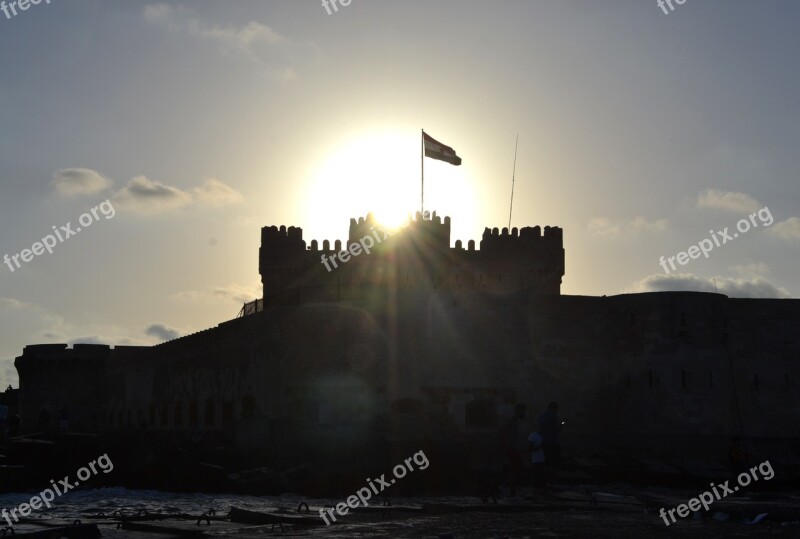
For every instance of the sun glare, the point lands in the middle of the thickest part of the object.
(380, 173)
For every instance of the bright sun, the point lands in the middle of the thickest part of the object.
(380, 173)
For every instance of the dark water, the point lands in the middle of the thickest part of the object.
(107, 500)
(607, 520)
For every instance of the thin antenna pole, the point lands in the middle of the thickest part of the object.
(513, 178)
(422, 171)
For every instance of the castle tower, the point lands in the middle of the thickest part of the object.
(419, 257)
(281, 257)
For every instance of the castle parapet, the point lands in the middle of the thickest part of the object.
(418, 256)
(528, 239)
(282, 253)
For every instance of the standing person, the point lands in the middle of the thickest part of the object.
(536, 449)
(509, 439)
(736, 456)
(549, 427)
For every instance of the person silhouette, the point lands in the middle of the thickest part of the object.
(549, 427)
(509, 439)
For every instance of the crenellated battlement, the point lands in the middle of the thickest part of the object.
(283, 238)
(363, 226)
(520, 240)
(419, 255)
(279, 246)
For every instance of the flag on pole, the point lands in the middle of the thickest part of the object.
(437, 150)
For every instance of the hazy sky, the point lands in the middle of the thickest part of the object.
(201, 121)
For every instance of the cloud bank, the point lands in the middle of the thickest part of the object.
(753, 287)
(70, 182)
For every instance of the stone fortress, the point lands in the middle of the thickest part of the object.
(420, 258)
(424, 345)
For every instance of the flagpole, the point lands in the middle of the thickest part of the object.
(513, 176)
(422, 171)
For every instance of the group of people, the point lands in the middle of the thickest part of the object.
(543, 447)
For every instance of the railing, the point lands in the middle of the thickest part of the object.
(251, 308)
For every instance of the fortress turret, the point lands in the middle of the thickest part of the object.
(281, 256)
(418, 256)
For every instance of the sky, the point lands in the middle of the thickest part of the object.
(174, 131)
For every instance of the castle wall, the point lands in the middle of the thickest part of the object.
(648, 375)
(52, 375)
(420, 344)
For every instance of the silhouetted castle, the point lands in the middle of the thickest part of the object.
(522, 261)
(420, 345)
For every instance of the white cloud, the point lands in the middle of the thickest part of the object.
(251, 40)
(727, 200)
(754, 287)
(8, 374)
(11, 303)
(162, 332)
(181, 19)
(788, 229)
(145, 196)
(79, 181)
(751, 269)
(101, 339)
(214, 193)
(234, 292)
(24, 323)
(605, 227)
(238, 293)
